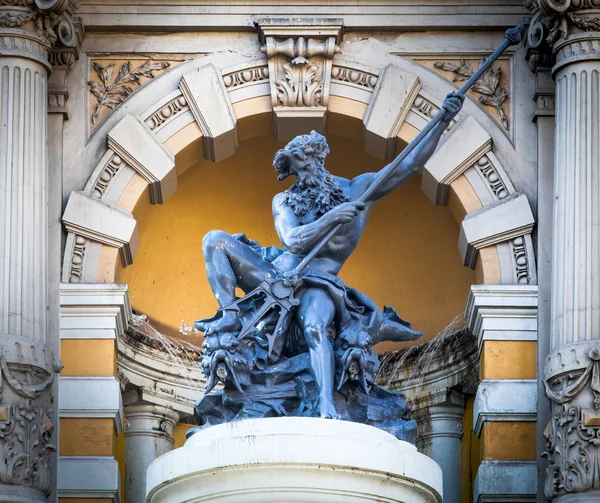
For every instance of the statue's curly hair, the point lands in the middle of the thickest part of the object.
(313, 144)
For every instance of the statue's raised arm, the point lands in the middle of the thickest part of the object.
(402, 169)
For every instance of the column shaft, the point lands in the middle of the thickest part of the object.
(576, 272)
(440, 438)
(148, 435)
(23, 199)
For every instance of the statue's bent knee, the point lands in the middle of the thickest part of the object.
(212, 239)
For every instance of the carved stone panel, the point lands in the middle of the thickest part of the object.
(492, 90)
(26, 402)
(113, 79)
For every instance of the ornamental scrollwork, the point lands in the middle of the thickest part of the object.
(110, 92)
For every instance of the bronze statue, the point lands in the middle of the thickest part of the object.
(326, 319)
(300, 341)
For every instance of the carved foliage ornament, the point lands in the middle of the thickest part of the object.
(492, 93)
(573, 435)
(111, 92)
(300, 69)
(25, 426)
(560, 16)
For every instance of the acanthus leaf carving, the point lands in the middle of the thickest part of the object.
(111, 93)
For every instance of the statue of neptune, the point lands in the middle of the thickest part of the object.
(316, 203)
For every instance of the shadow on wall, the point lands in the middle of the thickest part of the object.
(408, 257)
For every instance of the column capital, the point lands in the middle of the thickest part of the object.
(44, 30)
(555, 19)
(148, 419)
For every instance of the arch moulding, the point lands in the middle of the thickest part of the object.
(201, 112)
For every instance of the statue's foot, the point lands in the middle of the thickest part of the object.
(327, 410)
(230, 322)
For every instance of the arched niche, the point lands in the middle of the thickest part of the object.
(146, 153)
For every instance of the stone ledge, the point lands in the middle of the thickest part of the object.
(502, 312)
(89, 477)
(94, 311)
(91, 397)
(504, 400)
(506, 482)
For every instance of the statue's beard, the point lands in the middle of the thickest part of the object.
(315, 196)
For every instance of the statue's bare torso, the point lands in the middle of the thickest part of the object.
(338, 249)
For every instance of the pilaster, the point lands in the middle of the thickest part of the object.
(31, 32)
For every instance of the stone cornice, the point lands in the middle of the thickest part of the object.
(202, 15)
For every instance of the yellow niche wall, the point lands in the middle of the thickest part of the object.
(408, 257)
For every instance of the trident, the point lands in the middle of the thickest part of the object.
(277, 293)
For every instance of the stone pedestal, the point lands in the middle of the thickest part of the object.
(148, 435)
(297, 460)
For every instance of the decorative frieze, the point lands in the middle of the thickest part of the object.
(166, 113)
(354, 76)
(106, 176)
(300, 54)
(246, 76)
(485, 166)
(77, 259)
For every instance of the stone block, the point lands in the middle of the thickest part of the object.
(209, 102)
(134, 142)
(465, 144)
(504, 400)
(506, 219)
(91, 397)
(89, 477)
(92, 219)
(394, 93)
(506, 482)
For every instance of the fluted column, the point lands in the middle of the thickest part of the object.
(28, 29)
(572, 368)
(148, 435)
